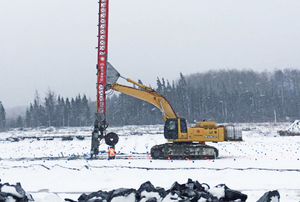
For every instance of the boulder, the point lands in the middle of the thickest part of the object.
(223, 193)
(121, 194)
(13, 193)
(270, 196)
(99, 196)
(148, 193)
(190, 191)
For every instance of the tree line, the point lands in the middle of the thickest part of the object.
(55, 111)
(225, 95)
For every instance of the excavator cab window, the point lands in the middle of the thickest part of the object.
(183, 127)
(171, 129)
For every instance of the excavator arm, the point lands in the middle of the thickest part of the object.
(149, 95)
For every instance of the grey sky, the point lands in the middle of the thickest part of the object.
(51, 43)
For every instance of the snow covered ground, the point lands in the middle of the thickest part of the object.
(264, 162)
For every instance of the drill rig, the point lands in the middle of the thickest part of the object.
(103, 76)
(183, 142)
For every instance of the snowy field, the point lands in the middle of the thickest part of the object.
(45, 163)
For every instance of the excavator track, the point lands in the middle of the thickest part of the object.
(184, 151)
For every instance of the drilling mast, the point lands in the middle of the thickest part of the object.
(100, 119)
(102, 55)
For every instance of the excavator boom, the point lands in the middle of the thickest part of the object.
(148, 95)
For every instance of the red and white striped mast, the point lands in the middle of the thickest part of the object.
(100, 119)
(102, 55)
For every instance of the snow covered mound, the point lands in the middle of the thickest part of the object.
(295, 127)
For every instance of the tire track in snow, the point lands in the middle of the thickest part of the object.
(88, 166)
(134, 155)
(201, 168)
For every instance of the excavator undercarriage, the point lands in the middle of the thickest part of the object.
(184, 151)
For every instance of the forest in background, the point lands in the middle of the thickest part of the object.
(228, 96)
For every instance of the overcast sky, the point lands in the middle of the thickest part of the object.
(51, 43)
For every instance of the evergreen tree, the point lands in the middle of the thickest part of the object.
(19, 122)
(50, 102)
(57, 113)
(62, 111)
(159, 88)
(73, 113)
(35, 110)
(68, 112)
(28, 119)
(183, 97)
(11, 123)
(86, 112)
(2, 118)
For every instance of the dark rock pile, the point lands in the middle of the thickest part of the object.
(270, 196)
(13, 193)
(192, 191)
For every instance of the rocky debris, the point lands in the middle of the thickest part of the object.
(100, 196)
(13, 193)
(227, 194)
(288, 133)
(292, 130)
(67, 138)
(45, 138)
(270, 196)
(79, 137)
(294, 127)
(192, 191)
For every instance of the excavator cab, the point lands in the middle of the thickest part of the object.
(174, 128)
(176, 131)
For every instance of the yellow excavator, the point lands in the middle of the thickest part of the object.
(183, 142)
